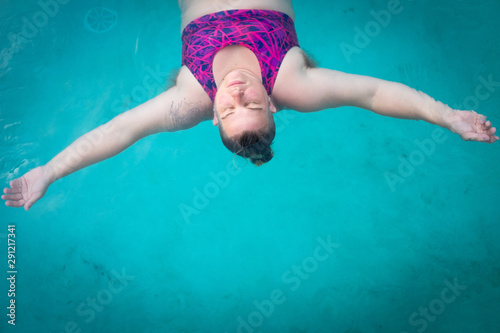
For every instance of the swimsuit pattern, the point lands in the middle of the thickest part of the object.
(268, 34)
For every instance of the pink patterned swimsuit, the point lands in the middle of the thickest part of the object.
(268, 34)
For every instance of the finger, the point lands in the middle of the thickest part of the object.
(487, 125)
(476, 137)
(16, 183)
(17, 196)
(493, 139)
(12, 190)
(482, 119)
(15, 203)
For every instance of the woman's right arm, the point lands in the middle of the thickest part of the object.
(181, 107)
(160, 114)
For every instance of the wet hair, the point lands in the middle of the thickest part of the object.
(255, 146)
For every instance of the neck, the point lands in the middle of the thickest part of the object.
(235, 58)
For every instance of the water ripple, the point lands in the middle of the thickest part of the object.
(13, 152)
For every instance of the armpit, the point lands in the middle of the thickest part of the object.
(310, 61)
(183, 115)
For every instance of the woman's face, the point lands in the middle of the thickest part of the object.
(242, 104)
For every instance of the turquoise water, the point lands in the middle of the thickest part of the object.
(353, 227)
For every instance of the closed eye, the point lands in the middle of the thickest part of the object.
(227, 113)
(253, 106)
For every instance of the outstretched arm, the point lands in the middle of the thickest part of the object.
(314, 89)
(181, 107)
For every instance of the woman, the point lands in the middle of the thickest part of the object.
(241, 64)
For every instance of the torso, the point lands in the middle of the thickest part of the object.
(292, 64)
(193, 9)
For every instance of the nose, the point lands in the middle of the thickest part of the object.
(237, 93)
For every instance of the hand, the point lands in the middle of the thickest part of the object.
(471, 126)
(28, 189)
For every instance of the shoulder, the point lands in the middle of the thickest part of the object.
(292, 76)
(295, 60)
(189, 104)
(188, 84)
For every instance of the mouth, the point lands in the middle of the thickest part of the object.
(235, 83)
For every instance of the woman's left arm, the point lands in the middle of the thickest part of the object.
(313, 89)
(400, 101)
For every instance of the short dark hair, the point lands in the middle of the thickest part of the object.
(256, 146)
